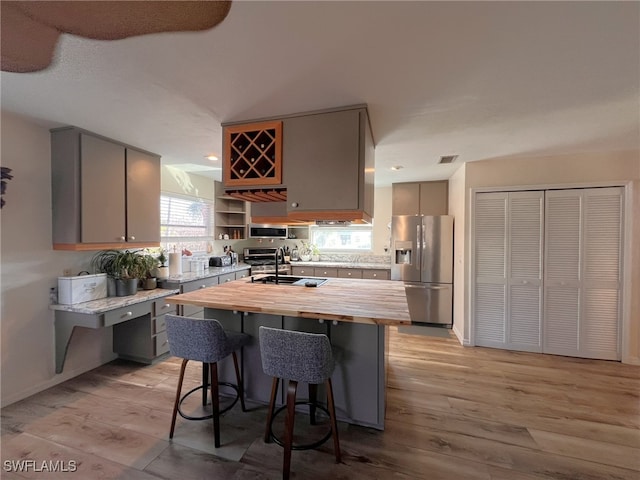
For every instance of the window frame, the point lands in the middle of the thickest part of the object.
(186, 241)
(316, 228)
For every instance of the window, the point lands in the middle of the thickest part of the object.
(185, 222)
(354, 238)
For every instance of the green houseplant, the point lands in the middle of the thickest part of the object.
(124, 268)
(148, 279)
(162, 270)
(104, 262)
(130, 267)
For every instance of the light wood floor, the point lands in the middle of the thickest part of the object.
(453, 413)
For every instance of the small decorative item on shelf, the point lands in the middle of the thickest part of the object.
(315, 253)
(308, 251)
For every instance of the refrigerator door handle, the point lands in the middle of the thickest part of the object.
(418, 248)
(423, 245)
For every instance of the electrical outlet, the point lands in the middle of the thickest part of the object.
(66, 272)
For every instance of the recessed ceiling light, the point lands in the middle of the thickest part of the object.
(212, 157)
(395, 168)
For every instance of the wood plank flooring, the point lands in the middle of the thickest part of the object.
(453, 413)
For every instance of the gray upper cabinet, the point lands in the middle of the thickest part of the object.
(420, 198)
(143, 196)
(105, 194)
(328, 165)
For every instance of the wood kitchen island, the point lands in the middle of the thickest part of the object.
(354, 313)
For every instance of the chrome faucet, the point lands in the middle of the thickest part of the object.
(279, 251)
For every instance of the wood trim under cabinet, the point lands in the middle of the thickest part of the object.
(357, 216)
(87, 247)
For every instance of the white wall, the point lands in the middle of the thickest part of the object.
(174, 180)
(457, 209)
(574, 170)
(381, 220)
(30, 267)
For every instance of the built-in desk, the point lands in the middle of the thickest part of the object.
(142, 338)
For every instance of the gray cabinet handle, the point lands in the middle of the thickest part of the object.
(123, 238)
(294, 204)
(132, 237)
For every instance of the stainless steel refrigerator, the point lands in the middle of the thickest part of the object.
(422, 257)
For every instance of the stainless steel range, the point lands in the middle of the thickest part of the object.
(263, 260)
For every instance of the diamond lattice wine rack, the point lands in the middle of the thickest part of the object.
(253, 154)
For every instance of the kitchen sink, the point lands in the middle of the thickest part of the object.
(291, 280)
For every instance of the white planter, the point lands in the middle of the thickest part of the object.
(315, 258)
(162, 273)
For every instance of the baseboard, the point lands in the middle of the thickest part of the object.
(417, 329)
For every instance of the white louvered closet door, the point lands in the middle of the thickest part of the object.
(583, 272)
(508, 270)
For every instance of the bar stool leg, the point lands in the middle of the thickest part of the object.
(272, 406)
(215, 403)
(288, 434)
(178, 392)
(239, 382)
(205, 381)
(334, 423)
(313, 396)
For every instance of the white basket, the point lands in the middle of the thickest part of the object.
(83, 288)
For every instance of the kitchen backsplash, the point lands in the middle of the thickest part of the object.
(355, 258)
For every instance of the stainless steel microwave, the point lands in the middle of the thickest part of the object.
(268, 231)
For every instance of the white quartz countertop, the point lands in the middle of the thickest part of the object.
(111, 303)
(381, 266)
(208, 272)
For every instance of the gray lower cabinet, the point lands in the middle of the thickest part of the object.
(192, 310)
(104, 193)
(144, 338)
(332, 272)
(257, 384)
(195, 311)
(227, 277)
(349, 273)
(329, 272)
(376, 273)
(358, 379)
(302, 271)
(243, 274)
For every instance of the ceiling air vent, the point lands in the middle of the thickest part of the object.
(448, 159)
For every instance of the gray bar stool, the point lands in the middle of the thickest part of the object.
(298, 357)
(207, 342)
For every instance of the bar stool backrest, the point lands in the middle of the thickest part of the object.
(197, 339)
(299, 356)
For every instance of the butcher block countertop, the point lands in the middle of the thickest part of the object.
(381, 302)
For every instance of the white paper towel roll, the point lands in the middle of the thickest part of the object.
(175, 264)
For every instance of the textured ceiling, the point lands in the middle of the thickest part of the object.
(478, 80)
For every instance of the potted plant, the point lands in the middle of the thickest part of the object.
(315, 253)
(162, 270)
(148, 279)
(130, 267)
(104, 262)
